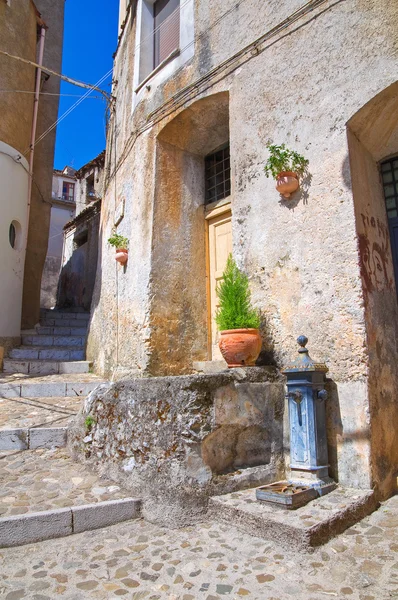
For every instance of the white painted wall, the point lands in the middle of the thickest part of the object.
(13, 207)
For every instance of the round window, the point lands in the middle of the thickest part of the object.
(14, 235)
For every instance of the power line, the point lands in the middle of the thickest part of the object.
(48, 94)
(71, 109)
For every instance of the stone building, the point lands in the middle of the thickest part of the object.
(32, 31)
(200, 84)
(62, 211)
(80, 247)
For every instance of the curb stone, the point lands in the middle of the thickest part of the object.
(31, 439)
(24, 529)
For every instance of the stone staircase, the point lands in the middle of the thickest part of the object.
(43, 493)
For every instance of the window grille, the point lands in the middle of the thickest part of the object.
(389, 173)
(166, 29)
(218, 175)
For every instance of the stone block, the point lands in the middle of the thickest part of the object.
(43, 368)
(43, 390)
(83, 316)
(52, 354)
(10, 390)
(55, 437)
(103, 514)
(61, 330)
(34, 527)
(15, 366)
(24, 353)
(14, 439)
(45, 330)
(82, 366)
(77, 355)
(81, 331)
(68, 340)
(80, 389)
(37, 340)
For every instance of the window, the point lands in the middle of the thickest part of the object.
(159, 34)
(166, 21)
(218, 175)
(12, 235)
(68, 191)
(389, 173)
(90, 189)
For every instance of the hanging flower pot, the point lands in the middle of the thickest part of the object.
(122, 255)
(286, 183)
(286, 166)
(121, 244)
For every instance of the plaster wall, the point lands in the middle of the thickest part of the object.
(85, 194)
(301, 255)
(13, 200)
(59, 217)
(40, 212)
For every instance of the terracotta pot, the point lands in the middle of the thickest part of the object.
(240, 347)
(122, 255)
(286, 183)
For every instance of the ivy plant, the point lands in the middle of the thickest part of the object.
(235, 310)
(118, 241)
(282, 159)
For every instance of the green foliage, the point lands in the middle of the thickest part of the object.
(89, 422)
(283, 159)
(118, 241)
(236, 311)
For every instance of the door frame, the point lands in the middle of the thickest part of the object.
(215, 209)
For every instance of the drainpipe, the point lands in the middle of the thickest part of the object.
(34, 125)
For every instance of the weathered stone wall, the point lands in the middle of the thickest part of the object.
(299, 85)
(175, 441)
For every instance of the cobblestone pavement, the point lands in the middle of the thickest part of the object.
(34, 412)
(37, 480)
(138, 560)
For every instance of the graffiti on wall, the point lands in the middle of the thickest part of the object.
(375, 255)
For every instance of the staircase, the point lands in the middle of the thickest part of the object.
(43, 493)
(56, 346)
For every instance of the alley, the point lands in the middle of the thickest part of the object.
(138, 560)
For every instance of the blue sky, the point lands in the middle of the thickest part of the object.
(90, 38)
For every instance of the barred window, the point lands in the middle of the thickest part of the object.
(218, 175)
(389, 173)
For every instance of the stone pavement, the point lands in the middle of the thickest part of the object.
(208, 561)
(39, 480)
(37, 412)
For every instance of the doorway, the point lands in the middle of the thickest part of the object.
(219, 247)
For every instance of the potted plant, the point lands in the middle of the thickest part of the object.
(121, 244)
(285, 166)
(237, 320)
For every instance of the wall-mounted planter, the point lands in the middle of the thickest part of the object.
(286, 183)
(240, 347)
(122, 255)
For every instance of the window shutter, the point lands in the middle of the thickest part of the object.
(167, 29)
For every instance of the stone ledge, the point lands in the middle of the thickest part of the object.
(35, 527)
(302, 529)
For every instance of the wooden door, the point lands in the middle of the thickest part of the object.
(219, 248)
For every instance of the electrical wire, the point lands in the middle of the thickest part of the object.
(48, 94)
(67, 113)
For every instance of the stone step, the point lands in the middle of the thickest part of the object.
(48, 386)
(63, 323)
(301, 529)
(45, 367)
(80, 331)
(71, 309)
(48, 353)
(53, 340)
(57, 314)
(46, 495)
